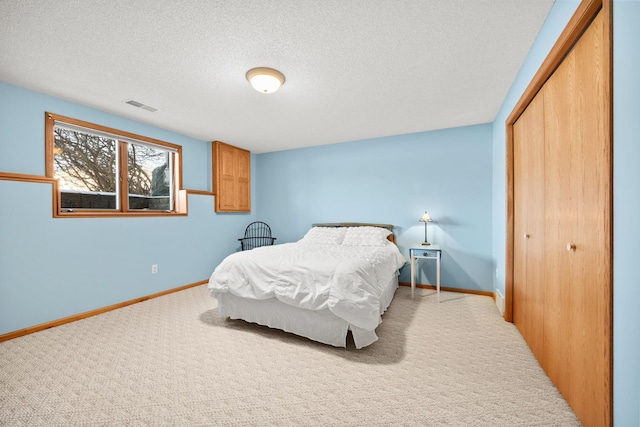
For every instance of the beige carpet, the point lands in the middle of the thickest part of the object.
(172, 361)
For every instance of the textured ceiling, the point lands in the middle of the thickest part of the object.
(355, 69)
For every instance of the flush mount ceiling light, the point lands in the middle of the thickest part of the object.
(265, 80)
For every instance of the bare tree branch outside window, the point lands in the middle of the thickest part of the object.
(87, 162)
(84, 161)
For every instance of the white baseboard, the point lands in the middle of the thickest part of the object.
(500, 302)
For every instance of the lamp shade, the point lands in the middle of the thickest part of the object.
(425, 217)
(265, 80)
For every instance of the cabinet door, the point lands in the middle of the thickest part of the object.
(226, 194)
(529, 280)
(232, 178)
(243, 180)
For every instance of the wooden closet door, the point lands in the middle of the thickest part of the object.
(529, 218)
(577, 326)
(559, 218)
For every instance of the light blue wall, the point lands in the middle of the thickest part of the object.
(626, 316)
(392, 180)
(22, 134)
(54, 268)
(626, 205)
(554, 24)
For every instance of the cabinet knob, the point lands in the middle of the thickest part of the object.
(527, 235)
(571, 247)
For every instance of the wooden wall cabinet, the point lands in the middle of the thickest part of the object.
(231, 177)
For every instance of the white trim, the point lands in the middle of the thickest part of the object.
(499, 301)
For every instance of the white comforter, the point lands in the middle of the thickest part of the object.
(348, 280)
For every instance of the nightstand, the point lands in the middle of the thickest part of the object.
(417, 252)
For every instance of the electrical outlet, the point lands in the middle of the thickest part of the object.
(154, 268)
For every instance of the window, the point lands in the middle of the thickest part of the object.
(102, 171)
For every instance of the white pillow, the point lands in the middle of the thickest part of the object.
(366, 236)
(325, 235)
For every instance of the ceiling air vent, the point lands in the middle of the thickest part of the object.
(141, 105)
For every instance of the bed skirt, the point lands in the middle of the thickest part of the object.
(319, 325)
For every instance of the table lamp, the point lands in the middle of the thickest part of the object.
(425, 218)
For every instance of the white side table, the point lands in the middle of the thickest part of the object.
(419, 251)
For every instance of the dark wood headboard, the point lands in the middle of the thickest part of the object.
(389, 227)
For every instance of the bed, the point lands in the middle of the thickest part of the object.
(339, 277)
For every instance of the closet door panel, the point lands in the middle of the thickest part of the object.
(529, 281)
(590, 189)
(559, 219)
(577, 318)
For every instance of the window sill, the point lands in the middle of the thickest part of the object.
(105, 214)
